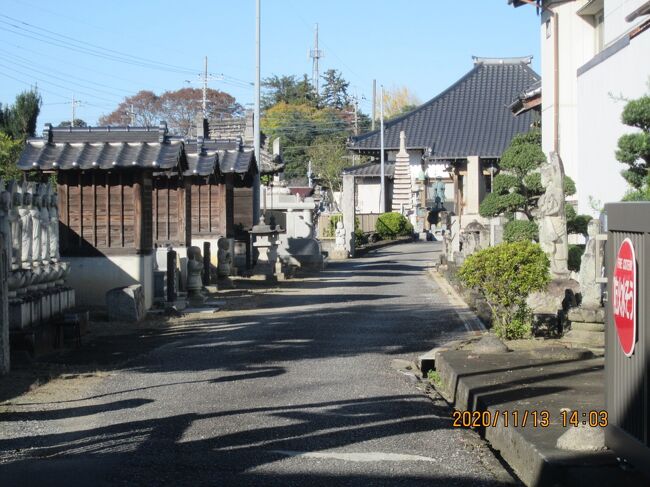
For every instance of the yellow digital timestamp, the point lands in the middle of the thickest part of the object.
(521, 419)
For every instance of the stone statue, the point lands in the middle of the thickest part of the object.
(44, 197)
(439, 193)
(224, 257)
(591, 268)
(35, 215)
(340, 234)
(551, 219)
(54, 227)
(194, 271)
(5, 225)
(27, 227)
(16, 225)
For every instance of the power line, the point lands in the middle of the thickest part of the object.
(53, 83)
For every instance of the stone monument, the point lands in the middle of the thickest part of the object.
(551, 219)
(549, 306)
(587, 322)
(591, 268)
(339, 251)
(194, 271)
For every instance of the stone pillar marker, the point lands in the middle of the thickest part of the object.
(402, 201)
(348, 208)
(475, 186)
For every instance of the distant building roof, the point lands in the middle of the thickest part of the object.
(231, 155)
(370, 169)
(241, 129)
(470, 118)
(102, 148)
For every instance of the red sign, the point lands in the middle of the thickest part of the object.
(625, 293)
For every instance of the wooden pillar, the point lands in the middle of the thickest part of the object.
(137, 212)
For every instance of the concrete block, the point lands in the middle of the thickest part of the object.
(126, 303)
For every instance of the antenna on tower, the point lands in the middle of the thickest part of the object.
(315, 54)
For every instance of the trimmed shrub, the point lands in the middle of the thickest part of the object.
(575, 257)
(520, 230)
(391, 225)
(505, 275)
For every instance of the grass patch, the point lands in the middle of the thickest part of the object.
(434, 377)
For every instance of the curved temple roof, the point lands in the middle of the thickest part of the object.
(470, 118)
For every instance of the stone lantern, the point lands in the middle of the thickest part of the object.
(268, 265)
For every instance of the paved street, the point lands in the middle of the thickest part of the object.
(302, 391)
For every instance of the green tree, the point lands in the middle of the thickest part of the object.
(298, 127)
(9, 153)
(287, 89)
(634, 149)
(335, 90)
(77, 123)
(19, 120)
(517, 188)
(329, 157)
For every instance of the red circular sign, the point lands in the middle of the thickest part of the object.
(625, 293)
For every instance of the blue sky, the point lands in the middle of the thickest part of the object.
(425, 45)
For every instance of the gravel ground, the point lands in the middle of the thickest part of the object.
(307, 385)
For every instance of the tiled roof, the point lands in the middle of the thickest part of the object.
(528, 99)
(370, 169)
(231, 156)
(470, 118)
(236, 161)
(102, 148)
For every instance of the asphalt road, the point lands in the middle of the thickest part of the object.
(302, 391)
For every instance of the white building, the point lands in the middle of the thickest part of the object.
(594, 56)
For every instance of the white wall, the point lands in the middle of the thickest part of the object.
(576, 47)
(626, 74)
(615, 13)
(92, 277)
(367, 197)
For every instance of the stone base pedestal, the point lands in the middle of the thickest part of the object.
(587, 328)
(559, 296)
(338, 254)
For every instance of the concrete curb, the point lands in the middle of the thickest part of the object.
(462, 309)
(498, 383)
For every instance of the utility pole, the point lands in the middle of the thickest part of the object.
(132, 116)
(374, 103)
(205, 88)
(74, 110)
(382, 189)
(315, 55)
(356, 113)
(256, 117)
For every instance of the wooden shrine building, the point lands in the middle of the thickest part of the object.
(107, 178)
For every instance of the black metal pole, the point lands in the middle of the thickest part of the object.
(171, 275)
(206, 264)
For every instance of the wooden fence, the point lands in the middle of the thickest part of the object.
(366, 221)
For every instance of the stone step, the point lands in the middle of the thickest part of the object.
(586, 338)
(579, 325)
(587, 315)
